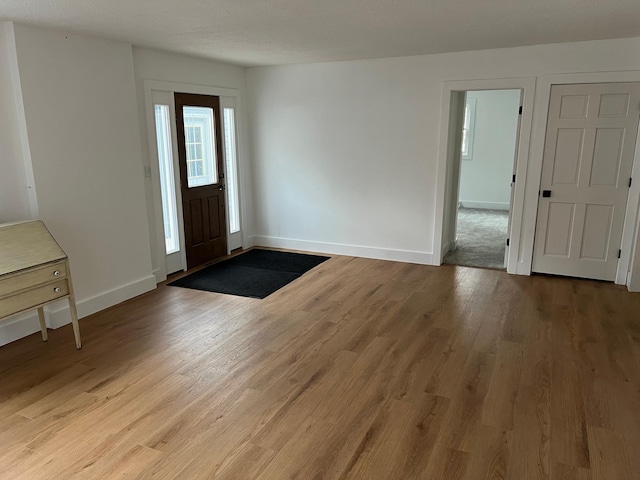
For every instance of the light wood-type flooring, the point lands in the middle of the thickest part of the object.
(360, 369)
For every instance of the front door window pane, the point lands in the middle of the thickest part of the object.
(199, 139)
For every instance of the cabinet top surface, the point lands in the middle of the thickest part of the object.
(26, 245)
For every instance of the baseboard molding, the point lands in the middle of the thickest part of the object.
(250, 242)
(19, 326)
(485, 205)
(633, 284)
(158, 276)
(408, 256)
(57, 314)
(449, 247)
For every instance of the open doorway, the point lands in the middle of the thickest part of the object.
(481, 203)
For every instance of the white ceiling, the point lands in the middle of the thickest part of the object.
(269, 32)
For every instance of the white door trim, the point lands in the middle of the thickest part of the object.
(538, 133)
(527, 85)
(243, 173)
(631, 227)
(529, 169)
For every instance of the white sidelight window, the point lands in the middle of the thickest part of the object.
(230, 146)
(167, 184)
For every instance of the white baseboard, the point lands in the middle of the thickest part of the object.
(633, 284)
(449, 247)
(57, 314)
(18, 327)
(485, 205)
(408, 256)
(158, 276)
(250, 242)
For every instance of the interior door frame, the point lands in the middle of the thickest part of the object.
(450, 90)
(537, 93)
(629, 243)
(159, 267)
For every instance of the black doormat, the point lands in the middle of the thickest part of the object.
(256, 273)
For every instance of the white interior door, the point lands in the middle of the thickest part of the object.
(588, 155)
(513, 181)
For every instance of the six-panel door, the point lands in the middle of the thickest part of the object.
(588, 155)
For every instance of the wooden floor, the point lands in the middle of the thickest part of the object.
(360, 369)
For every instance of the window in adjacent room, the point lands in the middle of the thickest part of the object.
(468, 128)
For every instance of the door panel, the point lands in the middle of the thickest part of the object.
(558, 239)
(596, 233)
(569, 149)
(215, 229)
(196, 215)
(605, 169)
(614, 105)
(574, 106)
(587, 163)
(201, 177)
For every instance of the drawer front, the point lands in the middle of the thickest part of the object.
(31, 298)
(16, 283)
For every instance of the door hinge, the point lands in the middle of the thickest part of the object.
(619, 253)
(520, 110)
(508, 242)
(513, 179)
(630, 182)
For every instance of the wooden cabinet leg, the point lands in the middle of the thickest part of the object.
(43, 325)
(74, 321)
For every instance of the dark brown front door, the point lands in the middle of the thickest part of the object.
(201, 177)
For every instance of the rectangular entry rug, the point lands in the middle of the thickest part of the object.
(256, 273)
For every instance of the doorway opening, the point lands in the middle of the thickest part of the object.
(482, 177)
(195, 178)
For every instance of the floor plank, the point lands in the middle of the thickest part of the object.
(358, 369)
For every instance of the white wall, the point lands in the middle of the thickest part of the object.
(14, 200)
(168, 67)
(345, 154)
(485, 178)
(81, 119)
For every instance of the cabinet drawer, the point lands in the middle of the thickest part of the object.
(15, 283)
(31, 298)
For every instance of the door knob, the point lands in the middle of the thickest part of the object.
(546, 193)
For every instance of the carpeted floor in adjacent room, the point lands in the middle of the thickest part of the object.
(481, 237)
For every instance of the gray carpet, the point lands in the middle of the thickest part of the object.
(481, 238)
